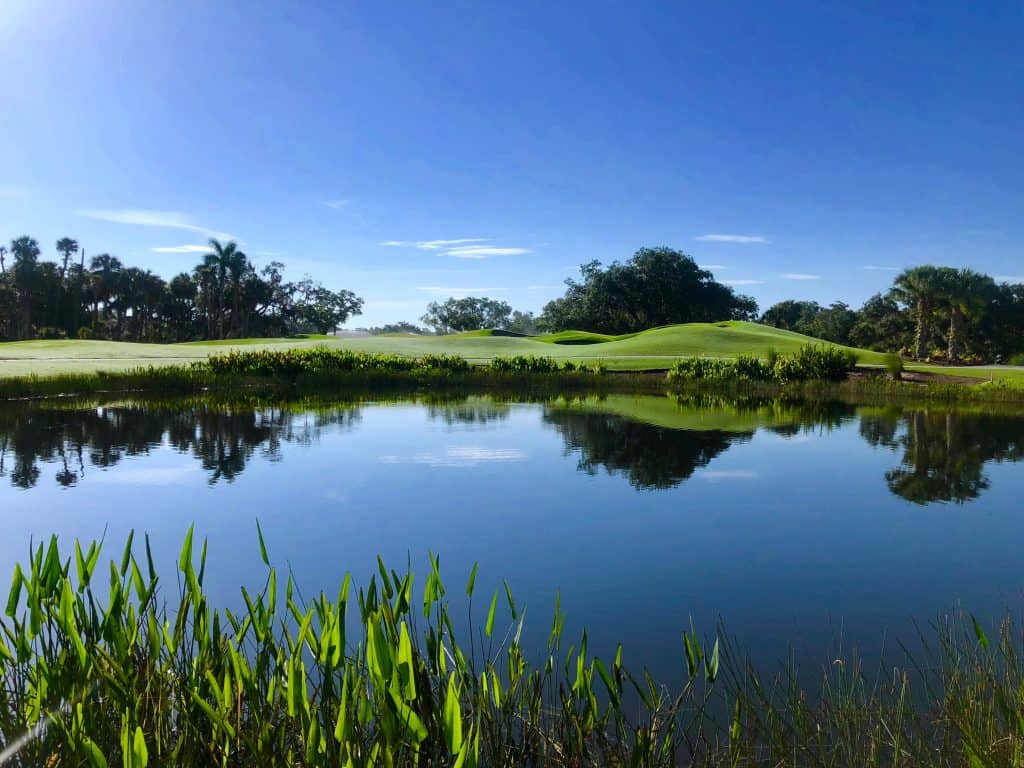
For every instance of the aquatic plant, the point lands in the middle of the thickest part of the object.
(812, 362)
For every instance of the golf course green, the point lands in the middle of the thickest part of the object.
(650, 350)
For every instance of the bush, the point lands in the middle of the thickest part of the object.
(810, 363)
(1017, 359)
(452, 363)
(86, 333)
(894, 366)
(524, 364)
(48, 332)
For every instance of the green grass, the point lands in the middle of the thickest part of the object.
(653, 349)
(100, 667)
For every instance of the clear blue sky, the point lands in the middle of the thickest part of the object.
(818, 146)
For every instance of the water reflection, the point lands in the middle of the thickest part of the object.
(650, 457)
(654, 443)
(944, 452)
(223, 440)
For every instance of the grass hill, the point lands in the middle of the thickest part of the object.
(652, 349)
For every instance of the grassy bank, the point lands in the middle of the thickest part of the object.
(655, 348)
(811, 373)
(316, 368)
(98, 669)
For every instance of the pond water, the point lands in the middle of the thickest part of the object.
(797, 526)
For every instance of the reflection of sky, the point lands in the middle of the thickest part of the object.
(784, 539)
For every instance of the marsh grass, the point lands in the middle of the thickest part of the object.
(100, 667)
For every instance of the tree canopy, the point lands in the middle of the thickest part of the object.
(467, 314)
(657, 286)
(223, 296)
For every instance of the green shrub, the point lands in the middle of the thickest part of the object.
(452, 363)
(810, 363)
(49, 332)
(1017, 359)
(894, 366)
(524, 364)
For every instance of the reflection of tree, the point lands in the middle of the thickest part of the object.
(222, 439)
(473, 410)
(944, 452)
(651, 457)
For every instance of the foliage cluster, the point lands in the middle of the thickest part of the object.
(657, 286)
(324, 361)
(540, 364)
(811, 362)
(929, 312)
(224, 296)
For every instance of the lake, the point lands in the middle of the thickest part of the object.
(798, 526)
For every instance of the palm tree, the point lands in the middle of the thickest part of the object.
(66, 247)
(226, 259)
(920, 288)
(967, 293)
(26, 259)
(106, 271)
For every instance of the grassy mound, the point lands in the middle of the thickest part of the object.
(655, 348)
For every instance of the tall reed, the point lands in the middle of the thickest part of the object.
(97, 668)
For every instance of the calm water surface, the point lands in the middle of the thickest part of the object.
(794, 525)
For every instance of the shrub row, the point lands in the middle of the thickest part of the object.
(537, 364)
(810, 363)
(324, 361)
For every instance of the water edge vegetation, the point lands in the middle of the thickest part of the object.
(104, 671)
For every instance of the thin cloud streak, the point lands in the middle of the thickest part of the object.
(743, 282)
(336, 204)
(183, 249)
(161, 219)
(483, 252)
(876, 268)
(1013, 279)
(798, 276)
(745, 239)
(433, 245)
(712, 266)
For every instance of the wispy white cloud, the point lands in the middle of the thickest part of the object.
(337, 203)
(182, 249)
(733, 239)
(876, 268)
(268, 253)
(434, 245)
(1010, 279)
(743, 282)
(160, 219)
(541, 287)
(483, 252)
(799, 276)
(712, 266)
(460, 247)
(449, 291)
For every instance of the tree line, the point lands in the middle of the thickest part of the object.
(657, 286)
(929, 312)
(223, 297)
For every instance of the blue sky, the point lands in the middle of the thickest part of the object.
(411, 151)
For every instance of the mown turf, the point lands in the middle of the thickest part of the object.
(653, 349)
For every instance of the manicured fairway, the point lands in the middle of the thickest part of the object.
(653, 349)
